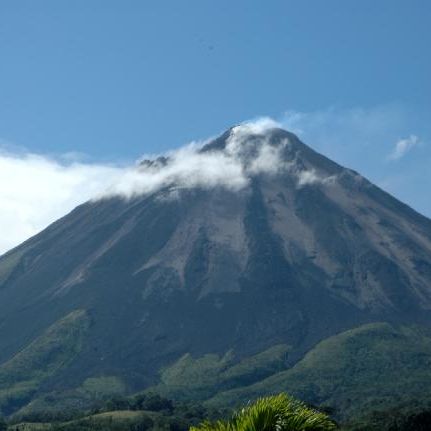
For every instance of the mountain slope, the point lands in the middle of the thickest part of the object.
(22, 375)
(373, 367)
(295, 250)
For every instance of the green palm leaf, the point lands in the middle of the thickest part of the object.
(275, 413)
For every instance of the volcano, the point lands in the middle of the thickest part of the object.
(295, 250)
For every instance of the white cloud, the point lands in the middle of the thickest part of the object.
(256, 126)
(309, 177)
(37, 190)
(190, 167)
(403, 146)
(185, 168)
(268, 160)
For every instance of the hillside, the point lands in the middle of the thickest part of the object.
(373, 367)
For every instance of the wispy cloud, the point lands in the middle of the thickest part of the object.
(345, 135)
(403, 146)
(362, 139)
(310, 177)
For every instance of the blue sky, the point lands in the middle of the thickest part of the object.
(112, 80)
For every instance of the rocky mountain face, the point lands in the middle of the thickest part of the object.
(295, 251)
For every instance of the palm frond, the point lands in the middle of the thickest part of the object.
(274, 413)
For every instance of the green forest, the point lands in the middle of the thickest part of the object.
(148, 412)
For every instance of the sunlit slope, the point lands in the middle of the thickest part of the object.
(23, 375)
(363, 369)
(203, 377)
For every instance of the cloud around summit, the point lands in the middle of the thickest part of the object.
(190, 167)
(35, 190)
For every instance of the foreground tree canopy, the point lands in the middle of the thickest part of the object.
(275, 413)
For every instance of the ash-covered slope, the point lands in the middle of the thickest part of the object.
(294, 249)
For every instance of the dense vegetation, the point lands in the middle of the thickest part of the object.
(148, 412)
(22, 375)
(138, 413)
(350, 374)
(152, 412)
(373, 367)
